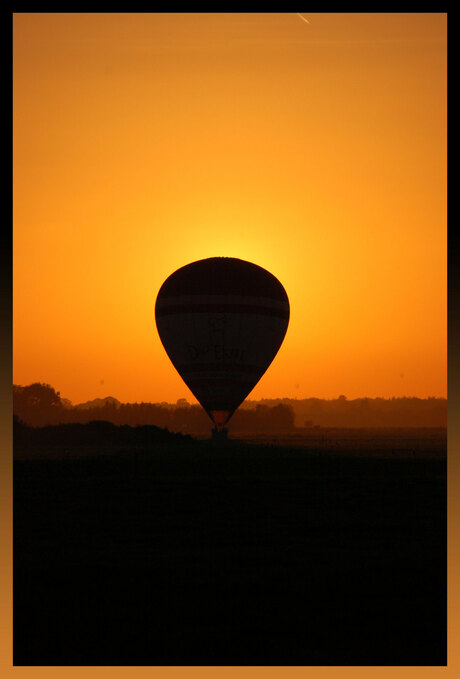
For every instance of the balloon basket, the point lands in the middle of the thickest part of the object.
(220, 435)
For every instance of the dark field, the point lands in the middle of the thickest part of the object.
(233, 555)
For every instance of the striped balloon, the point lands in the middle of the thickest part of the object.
(221, 321)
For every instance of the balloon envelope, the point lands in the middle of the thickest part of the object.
(221, 321)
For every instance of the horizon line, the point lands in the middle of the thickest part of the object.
(341, 397)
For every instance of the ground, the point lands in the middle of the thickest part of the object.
(232, 555)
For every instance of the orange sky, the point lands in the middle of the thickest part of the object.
(143, 142)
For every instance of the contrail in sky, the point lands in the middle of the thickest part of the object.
(302, 17)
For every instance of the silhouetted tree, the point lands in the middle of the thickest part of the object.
(37, 403)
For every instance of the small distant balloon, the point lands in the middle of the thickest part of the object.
(221, 321)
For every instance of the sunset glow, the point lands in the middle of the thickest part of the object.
(144, 142)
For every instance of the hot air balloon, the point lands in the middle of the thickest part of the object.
(221, 321)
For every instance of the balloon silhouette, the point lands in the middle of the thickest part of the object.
(221, 321)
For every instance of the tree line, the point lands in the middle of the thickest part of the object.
(40, 404)
(367, 412)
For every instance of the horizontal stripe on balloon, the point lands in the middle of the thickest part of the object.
(208, 381)
(217, 381)
(257, 300)
(220, 367)
(222, 309)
